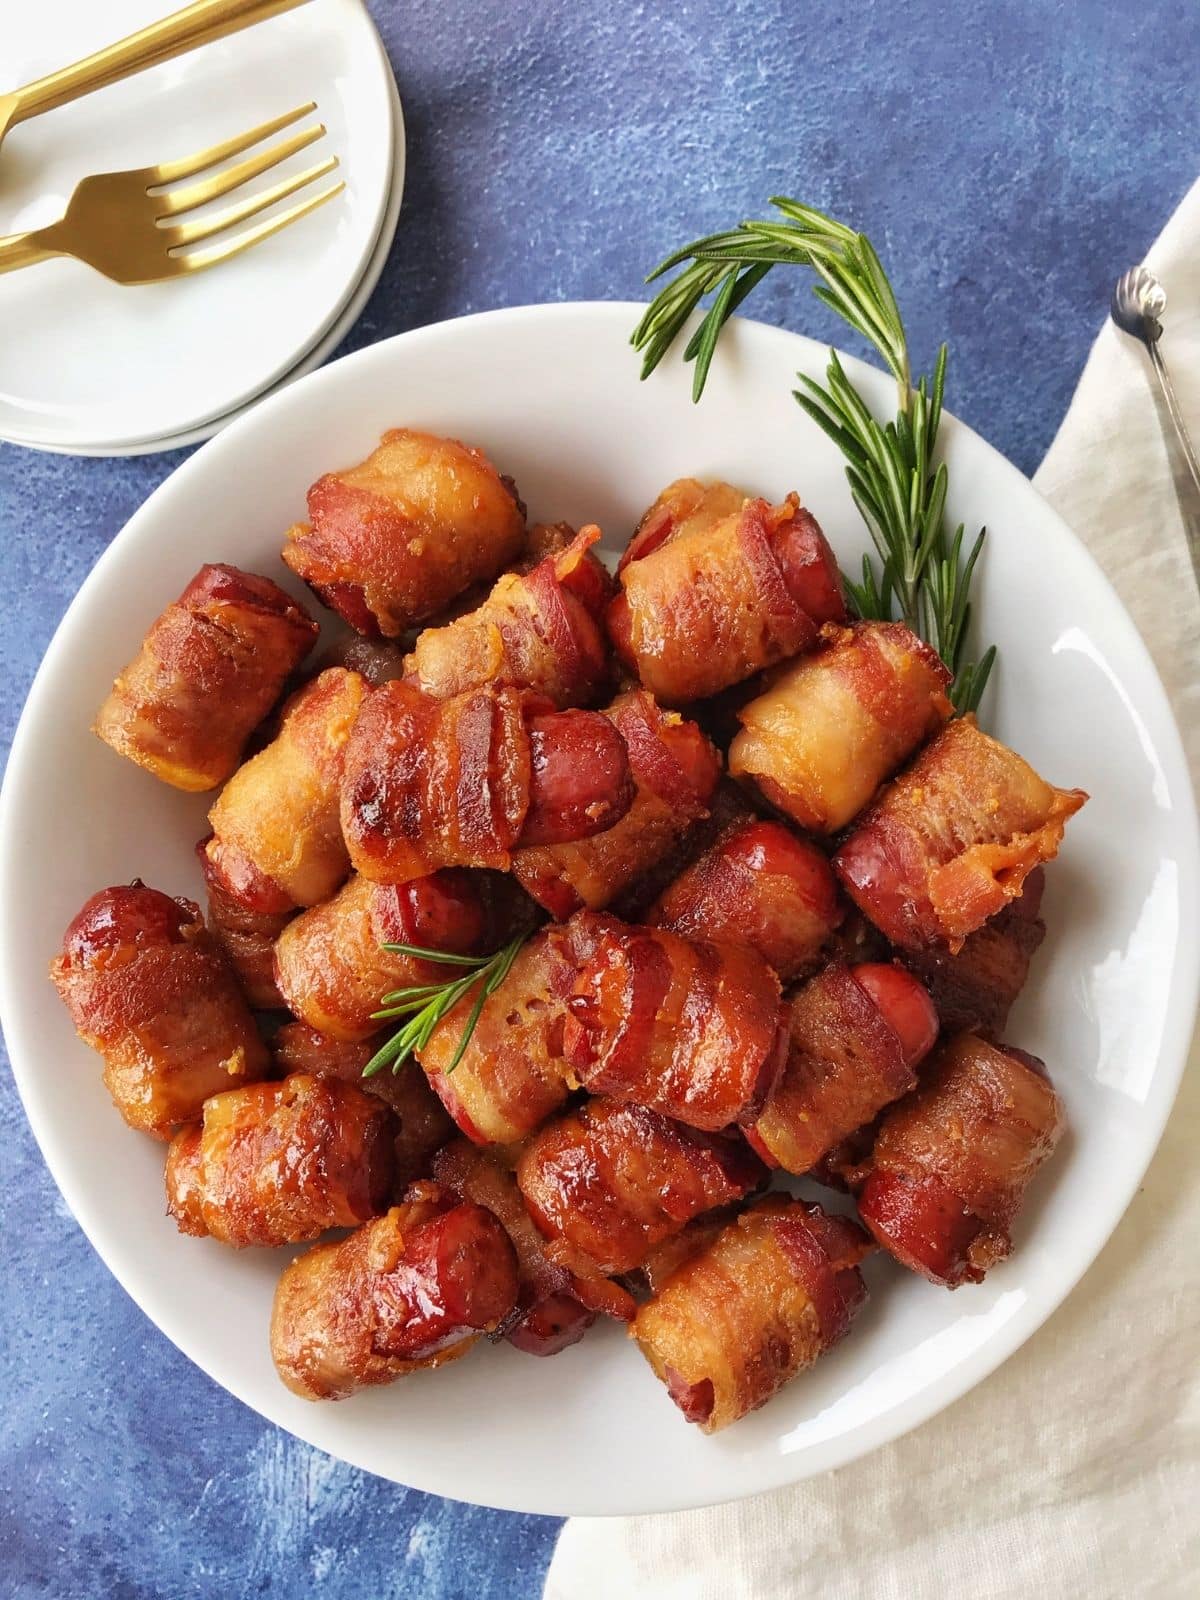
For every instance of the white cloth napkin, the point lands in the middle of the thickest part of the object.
(1075, 1469)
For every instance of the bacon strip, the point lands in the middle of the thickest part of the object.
(847, 1057)
(278, 1163)
(614, 1181)
(691, 1029)
(758, 885)
(557, 1302)
(208, 671)
(705, 607)
(462, 782)
(411, 1289)
(831, 727)
(421, 1126)
(674, 770)
(393, 540)
(329, 964)
(246, 936)
(538, 630)
(976, 988)
(952, 840)
(952, 1161)
(276, 822)
(147, 986)
(740, 1318)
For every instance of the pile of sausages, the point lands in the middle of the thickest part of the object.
(776, 903)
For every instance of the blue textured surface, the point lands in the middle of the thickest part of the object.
(1009, 159)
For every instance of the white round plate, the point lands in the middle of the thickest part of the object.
(551, 393)
(324, 347)
(91, 362)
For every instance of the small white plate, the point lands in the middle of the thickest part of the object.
(551, 393)
(324, 346)
(86, 361)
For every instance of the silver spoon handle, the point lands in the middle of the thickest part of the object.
(1185, 444)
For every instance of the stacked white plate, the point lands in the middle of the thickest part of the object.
(90, 368)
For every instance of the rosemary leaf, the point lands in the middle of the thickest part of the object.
(427, 1004)
(895, 482)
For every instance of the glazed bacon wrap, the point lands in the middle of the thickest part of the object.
(555, 1304)
(209, 670)
(412, 1289)
(613, 1181)
(776, 1289)
(465, 782)
(393, 540)
(329, 964)
(952, 840)
(148, 987)
(855, 1035)
(420, 1124)
(831, 727)
(277, 836)
(758, 885)
(278, 1163)
(692, 1029)
(976, 989)
(708, 603)
(675, 770)
(247, 937)
(951, 1163)
(512, 1075)
(538, 630)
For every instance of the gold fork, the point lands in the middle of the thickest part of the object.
(122, 223)
(197, 24)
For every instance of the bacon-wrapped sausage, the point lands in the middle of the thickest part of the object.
(466, 781)
(538, 630)
(330, 966)
(247, 938)
(278, 1163)
(855, 1034)
(757, 885)
(951, 1163)
(147, 986)
(209, 670)
(675, 771)
(775, 1290)
(277, 836)
(952, 840)
(709, 606)
(391, 541)
(613, 1181)
(512, 1075)
(684, 507)
(411, 1289)
(691, 1029)
(832, 726)
(421, 1125)
(557, 1302)
(976, 988)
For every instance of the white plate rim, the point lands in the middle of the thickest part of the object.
(346, 317)
(969, 1370)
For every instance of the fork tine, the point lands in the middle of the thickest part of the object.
(221, 183)
(204, 227)
(197, 260)
(189, 166)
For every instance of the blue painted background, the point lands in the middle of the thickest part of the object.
(1008, 157)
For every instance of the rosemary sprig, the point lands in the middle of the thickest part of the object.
(922, 575)
(426, 1004)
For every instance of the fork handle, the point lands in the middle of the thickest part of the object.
(26, 249)
(197, 24)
